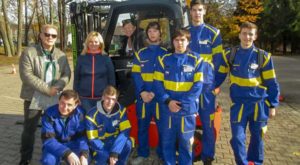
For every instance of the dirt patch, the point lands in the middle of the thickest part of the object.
(4, 60)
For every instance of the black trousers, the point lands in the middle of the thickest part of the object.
(31, 121)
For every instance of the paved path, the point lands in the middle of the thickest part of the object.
(282, 145)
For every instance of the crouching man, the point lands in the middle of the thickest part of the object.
(63, 132)
(108, 130)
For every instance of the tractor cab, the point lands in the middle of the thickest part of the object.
(106, 17)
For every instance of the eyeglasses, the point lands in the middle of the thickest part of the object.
(52, 35)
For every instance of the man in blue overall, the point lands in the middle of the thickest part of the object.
(178, 81)
(63, 132)
(107, 129)
(254, 92)
(206, 40)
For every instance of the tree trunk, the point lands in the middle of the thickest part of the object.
(4, 37)
(20, 24)
(7, 28)
(51, 11)
(43, 14)
(38, 16)
(62, 22)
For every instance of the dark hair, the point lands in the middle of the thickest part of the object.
(197, 2)
(248, 25)
(154, 25)
(127, 21)
(181, 32)
(69, 94)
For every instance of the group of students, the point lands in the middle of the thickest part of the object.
(171, 87)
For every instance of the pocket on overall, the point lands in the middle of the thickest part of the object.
(261, 112)
(236, 112)
(188, 123)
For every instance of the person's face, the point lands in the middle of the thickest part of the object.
(153, 34)
(48, 37)
(94, 44)
(66, 106)
(180, 44)
(109, 102)
(197, 13)
(129, 29)
(247, 37)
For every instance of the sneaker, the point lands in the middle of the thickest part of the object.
(138, 160)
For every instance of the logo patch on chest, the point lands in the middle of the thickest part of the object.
(115, 122)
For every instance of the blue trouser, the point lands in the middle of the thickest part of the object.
(88, 103)
(102, 156)
(50, 159)
(178, 130)
(207, 115)
(145, 112)
(256, 114)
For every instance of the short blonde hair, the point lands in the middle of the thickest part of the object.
(110, 91)
(48, 26)
(89, 37)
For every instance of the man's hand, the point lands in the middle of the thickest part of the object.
(83, 160)
(174, 106)
(73, 159)
(113, 160)
(272, 112)
(147, 96)
(53, 91)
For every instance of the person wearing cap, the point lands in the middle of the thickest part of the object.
(44, 70)
(134, 38)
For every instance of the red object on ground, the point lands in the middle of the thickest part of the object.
(153, 133)
(251, 163)
(281, 98)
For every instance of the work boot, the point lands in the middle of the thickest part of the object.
(24, 162)
(208, 161)
(138, 160)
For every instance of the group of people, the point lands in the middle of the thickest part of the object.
(170, 87)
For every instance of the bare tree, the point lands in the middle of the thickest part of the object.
(4, 37)
(50, 11)
(6, 32)
(20, 26)
(62, 22)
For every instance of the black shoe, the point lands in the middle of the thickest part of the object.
(24, 162)
(208, 161)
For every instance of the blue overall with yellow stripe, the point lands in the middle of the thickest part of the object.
(253, 91)
(206, 40)
(108, 134)
(142, 73)
(178, 77)
(62, 136)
